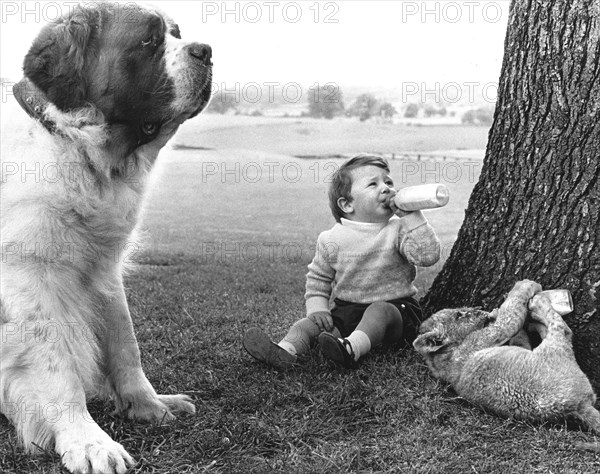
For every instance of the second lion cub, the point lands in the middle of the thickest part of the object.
(464, 347)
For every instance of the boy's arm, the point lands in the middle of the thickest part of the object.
(319, 279)
(417, 240)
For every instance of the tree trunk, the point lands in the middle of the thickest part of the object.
(535, 212)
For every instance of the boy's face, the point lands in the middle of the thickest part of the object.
(370, 193)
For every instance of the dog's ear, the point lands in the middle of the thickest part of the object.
(55, 62)
(431, 341)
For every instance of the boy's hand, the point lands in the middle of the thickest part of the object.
(322, 319)
(399, 212)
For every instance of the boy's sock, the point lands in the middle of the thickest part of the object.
(288, 346)
(360, 343)
(300, 337)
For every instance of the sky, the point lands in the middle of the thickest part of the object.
(425, 45)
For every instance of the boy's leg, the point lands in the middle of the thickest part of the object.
(381, 322)
(301, 336)
(283, 355)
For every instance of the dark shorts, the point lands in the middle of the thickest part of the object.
(347, 315)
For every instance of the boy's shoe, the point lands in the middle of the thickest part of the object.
(338, 350)
(259, 346)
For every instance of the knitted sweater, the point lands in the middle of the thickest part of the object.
(364, 262)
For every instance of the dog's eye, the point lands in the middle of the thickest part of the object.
(149, 41)
(149, 128)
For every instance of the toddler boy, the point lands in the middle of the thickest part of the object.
(366, 262)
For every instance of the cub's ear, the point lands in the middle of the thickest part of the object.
(492, 315)
(55, 62)
(429, 342)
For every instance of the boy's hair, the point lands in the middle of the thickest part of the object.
(341, 184)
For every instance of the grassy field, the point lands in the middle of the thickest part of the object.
(294, 136)
(226, 249)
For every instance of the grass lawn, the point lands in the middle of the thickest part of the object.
(225, 254)
(304, 136)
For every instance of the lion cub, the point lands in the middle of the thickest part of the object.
(464, 347)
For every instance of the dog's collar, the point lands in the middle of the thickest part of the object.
(33, 101)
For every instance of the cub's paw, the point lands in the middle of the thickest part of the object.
(542, 312)
(540, 308)
(527, 287)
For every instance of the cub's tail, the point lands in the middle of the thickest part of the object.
(590, 417)
(595, 446)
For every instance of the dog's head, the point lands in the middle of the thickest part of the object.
(126, 61)
(449, 327)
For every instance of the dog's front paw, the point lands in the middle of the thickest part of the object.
(142, 403)
(91, 451)
(159, 408)
(178, 403)
(136, 398)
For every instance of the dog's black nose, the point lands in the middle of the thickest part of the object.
(200, 51)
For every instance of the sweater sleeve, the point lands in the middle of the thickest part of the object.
(417, 240)
(319, 278)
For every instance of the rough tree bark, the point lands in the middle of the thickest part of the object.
(535, 212)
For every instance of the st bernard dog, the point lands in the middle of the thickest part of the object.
(105, 87)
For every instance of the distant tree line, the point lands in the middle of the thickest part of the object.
(480, 116)
(327, 102)
(413, 110)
